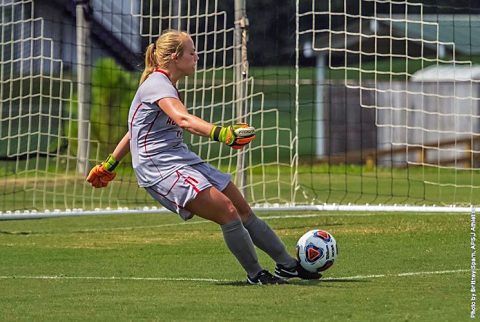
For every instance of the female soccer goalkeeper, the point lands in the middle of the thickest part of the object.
(176, 177)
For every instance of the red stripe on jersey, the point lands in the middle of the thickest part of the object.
(133, 117)
(165, 196)
(194, 185)
(179, 174)
(164, 72)
(148, 132)
(145, 144)
(191, 181)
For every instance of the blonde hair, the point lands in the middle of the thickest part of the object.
(159, 53)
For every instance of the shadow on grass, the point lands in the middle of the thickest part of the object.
(298, 282)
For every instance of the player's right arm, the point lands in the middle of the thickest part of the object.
(235, 136)
(103, 173)
(122, 147)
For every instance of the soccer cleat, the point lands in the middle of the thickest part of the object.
(297, 271)
(265, 278)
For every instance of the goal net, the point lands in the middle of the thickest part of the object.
(359, 105)
(41, 111)
(396, 102)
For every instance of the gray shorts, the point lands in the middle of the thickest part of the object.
(176, 190)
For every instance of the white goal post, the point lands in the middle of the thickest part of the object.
(42, 108)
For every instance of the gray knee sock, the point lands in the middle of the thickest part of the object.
(265, 238)
(240, 244)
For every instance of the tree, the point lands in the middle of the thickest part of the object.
(113, 89)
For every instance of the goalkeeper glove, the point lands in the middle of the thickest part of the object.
(102, 173)
(235, 136)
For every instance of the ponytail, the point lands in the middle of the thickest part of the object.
(158, 53)
(149, 62)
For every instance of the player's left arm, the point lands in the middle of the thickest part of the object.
(235, 136)
(175, 109)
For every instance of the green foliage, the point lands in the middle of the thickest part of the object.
(112, 91)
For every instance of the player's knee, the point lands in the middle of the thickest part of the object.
(231, 212)
(244, 213)
(243, 209)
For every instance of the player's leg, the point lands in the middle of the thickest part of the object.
(212, 205)
(262, 235)
(266, 239)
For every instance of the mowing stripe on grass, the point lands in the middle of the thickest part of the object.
(192, 223)
(212, 280)
(262, 217)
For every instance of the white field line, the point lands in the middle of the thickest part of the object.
(359, 277)
(113, 278)
(212, 280)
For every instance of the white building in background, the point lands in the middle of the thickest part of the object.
(435, 116)
(46, 29)
(421, 114)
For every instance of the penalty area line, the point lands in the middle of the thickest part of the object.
(358, 277)
(114, 278)
(212, 280)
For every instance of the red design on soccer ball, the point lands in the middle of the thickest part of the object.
(323, 235)
(313, 253)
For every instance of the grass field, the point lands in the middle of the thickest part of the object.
(392, 267)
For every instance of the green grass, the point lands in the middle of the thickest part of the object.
(82, 254)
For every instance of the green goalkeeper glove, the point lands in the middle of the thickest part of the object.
(235, 136)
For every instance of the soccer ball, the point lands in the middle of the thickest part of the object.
(317, 250)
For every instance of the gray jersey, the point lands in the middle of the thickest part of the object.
(156, 141)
